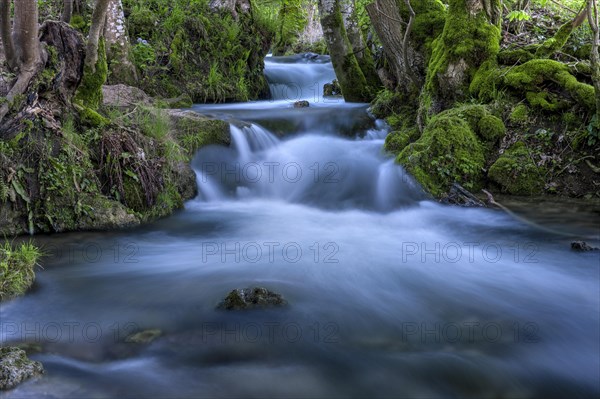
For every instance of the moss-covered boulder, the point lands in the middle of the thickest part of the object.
(448, 151)
(15, 367)
(516, 172)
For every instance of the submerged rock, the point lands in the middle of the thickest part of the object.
(15, 367)
(252, 298)
(301, 104)
(143, 337)
(582, 246)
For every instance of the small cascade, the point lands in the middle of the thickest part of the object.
(394, 186)
(291, 80)
(379, 132)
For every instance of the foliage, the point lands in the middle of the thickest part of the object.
(17, 264)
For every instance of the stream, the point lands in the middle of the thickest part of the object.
(390, 293)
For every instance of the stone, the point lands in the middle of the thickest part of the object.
(15, 367)
(582, 246)
(252, 298)
(143, 337)
(332, 89)
(301, 104)
(125, 97)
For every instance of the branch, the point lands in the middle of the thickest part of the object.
(411, 73)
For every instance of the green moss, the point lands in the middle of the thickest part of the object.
(536, 74)
(516, 172)
(467, 42)
(519, 114)
(430, 16)
(514, 57)
(89, 92)
(398, 140)
(448, 151)
(17, 269)
(386, 103)
(195, 133)
(91, 118)
(491, 128)
(555, 43)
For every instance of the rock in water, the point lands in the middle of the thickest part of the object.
(15, 367)
(251, 298)
(301, 104)
(143, 337)
(582, 246)
(332, 89)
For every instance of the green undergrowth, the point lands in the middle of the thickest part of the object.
(184, 47)
(17, 268)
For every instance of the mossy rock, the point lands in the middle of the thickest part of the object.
(491, 128)
(15, 367)
(448, 151)
(252, 298)
(516, 172)
(144, 337)
(396, 141)
(193, 131)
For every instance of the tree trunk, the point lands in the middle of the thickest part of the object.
(5, 34)
(351, 78)
(98, 19)
(361, 51)
(388, 24)
(67, 11)
(117, 45)
(29, 56)
(592, 8)
(470, 38)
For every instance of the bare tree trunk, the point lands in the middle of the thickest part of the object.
(67, 11)
(593, 18)
(29, 57)
(5, 34)
(117, 45)
(389, 26)
(351, 78)
(26, 12)
(98, 20)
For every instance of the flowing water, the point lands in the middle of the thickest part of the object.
(390, 293)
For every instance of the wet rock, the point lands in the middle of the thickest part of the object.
(15, 367)
(251, 298)
(301, 104)
(460, 196)
(582, 246)
(143, 337)
(332, 89)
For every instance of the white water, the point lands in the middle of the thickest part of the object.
(391, 294)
